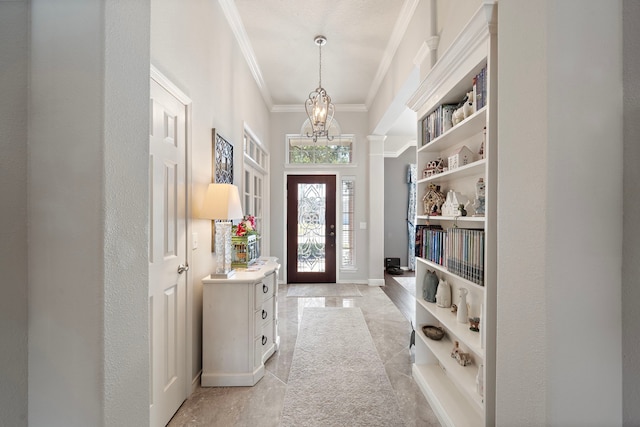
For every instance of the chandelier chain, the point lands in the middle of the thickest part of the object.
(320, 71)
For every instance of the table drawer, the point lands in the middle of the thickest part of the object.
(263, 291)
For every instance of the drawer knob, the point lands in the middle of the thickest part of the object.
(264, 340)
(265, 288)
(264, 314)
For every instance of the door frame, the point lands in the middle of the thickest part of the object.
(338, 209)
(191, 383)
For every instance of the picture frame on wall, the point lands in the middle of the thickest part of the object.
(221, 168)
(222, 162)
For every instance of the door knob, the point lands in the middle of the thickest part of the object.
(182, 268)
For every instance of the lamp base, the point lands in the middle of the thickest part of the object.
(226, 275)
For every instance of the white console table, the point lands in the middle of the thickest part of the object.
(239, 325)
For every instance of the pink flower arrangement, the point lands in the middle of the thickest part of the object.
(246, 227)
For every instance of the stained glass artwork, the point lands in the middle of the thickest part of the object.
(311, 227)
(223, 160)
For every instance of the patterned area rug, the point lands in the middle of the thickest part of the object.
(409, 283)
(337, 377)
(323, 290)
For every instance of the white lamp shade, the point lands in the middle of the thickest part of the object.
(222, 201)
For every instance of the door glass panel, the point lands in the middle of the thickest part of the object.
(311, 227)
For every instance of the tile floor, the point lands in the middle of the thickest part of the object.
(261, 405)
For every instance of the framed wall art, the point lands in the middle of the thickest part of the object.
(222, 163)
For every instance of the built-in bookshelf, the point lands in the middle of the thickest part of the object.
(456, 224)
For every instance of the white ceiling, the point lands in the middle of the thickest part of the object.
(277, 38)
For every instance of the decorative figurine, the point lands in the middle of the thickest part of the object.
(443, 295)
(475, 324)
(451, 205)
(478, 204)
(430, 286)
(482, 144)
(433, 200)
(462, 358)
(434, 167)
(462, 210)
(462, 306)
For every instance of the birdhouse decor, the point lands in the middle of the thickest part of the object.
(451, 205)
(433, 200)
(434, 167)
(461, 157)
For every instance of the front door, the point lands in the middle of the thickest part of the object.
(311, 229)
(167, 255)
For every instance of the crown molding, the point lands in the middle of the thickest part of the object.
(465, 51)
(399, 151)
(235, 22)
(400, 27)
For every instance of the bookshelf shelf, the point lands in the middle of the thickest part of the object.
(472, 169)
(461, 331)
(442, 269)
(458, 219)
(467, 245)
(463, 376)
(445, 398)
(467, 128)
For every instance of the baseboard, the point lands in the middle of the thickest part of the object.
(376, 282)
(195, 383)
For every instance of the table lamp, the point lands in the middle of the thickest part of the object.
(222, 203)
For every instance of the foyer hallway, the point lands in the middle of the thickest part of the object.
(261, 405)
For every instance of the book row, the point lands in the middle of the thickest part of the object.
(460, 250)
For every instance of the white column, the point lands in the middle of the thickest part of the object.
(559, 358)
(88, 137)
(376, 210)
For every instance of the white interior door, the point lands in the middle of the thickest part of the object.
(167, 255)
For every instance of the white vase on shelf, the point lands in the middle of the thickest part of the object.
(463, 312)
(443, 294)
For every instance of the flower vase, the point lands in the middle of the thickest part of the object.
(462, 306)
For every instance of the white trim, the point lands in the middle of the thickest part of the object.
(289, 166)
(400, 27)
(235, 22)
(375, 282)
(468, 48)
(166, 84)
(397, 153)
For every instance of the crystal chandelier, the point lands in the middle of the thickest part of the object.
(319, 107)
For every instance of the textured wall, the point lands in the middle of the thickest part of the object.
(88, 140)
(559, 279)
(13, 211)
(521, 327)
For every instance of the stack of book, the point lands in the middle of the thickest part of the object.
(480, 89)
(465, 254)
(460, 250)
(431, 243)
(437, 123)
